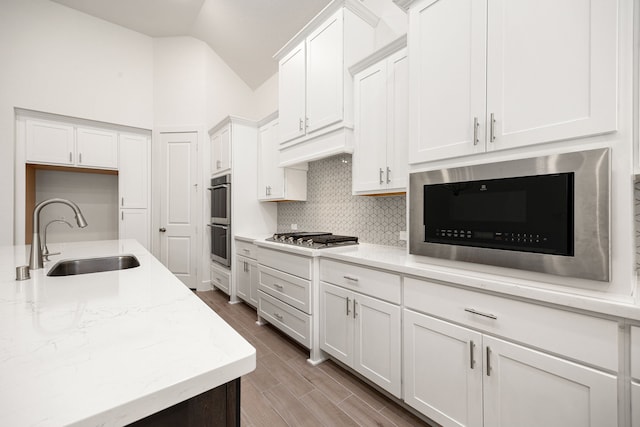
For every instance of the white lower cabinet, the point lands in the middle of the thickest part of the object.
(220, 278)
(363, 333)
(247, 280)
(460, 377)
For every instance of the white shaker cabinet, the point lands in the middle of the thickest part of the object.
(381, 126)
(487, 75)
(360, 322)
(64, 144)
(221, 150)
(246, 270)
(276, 183)
(315, 99)
(133, 188)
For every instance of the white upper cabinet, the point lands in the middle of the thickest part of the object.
(133, 175)
(48, 142)
(315, 99)
(381, 126)
(493, 74)
(221, 150)
(276, 183)
(96, 148)
(68, 145)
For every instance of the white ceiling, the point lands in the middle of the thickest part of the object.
(244, 33)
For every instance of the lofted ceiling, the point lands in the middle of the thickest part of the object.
(244, 33)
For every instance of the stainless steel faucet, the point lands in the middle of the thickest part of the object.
(35, 259)
(45, 249)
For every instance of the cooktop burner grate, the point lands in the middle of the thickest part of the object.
(314, 239)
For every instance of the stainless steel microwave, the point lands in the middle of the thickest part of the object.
(548, 214)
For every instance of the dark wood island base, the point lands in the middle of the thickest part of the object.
(219, 407)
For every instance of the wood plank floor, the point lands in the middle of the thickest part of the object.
(285, 390)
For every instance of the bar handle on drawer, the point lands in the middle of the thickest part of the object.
(277, 315)
(355, 279)
(355, 313)
(278, 286)
(348, 300)
(489, 315)
(472, 347)
(488, 361)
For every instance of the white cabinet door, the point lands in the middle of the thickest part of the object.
(134, 224)
(552, 81)
(133, 171)
(221, 150)
(398, 121)
(96, 148)
(270, 176)
(243, 278)
(336, 324)
(635, 404)
(447, 47)
(325, 70)
(526, 388)
(370, 150)
(443, 370)
(377, 342)
(292, 94)
(254, 279)
(48, 142)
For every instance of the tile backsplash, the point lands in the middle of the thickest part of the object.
(331, 207)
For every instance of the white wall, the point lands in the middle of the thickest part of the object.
(266, 97)
(62, 61)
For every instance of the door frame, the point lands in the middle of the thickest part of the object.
(202, 264)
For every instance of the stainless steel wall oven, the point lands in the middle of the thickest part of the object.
(548, 214)
(220, 226)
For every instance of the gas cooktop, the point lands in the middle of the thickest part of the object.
(313, 239)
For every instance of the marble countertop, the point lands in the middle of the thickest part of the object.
(106, 348)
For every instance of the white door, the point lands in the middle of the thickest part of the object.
(178, 210)
(370, 151)
(443, 370)
(447, 77)
(325, 68)
(377, 342)
(526, 388)
(291, 102)
(551, 69)
(96, 148)
(336, 322)
(398, 120)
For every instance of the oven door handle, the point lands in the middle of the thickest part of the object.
(215, 187)
(224, 227)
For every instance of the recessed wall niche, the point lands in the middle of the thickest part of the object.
(94, 191)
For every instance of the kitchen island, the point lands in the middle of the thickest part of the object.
(108, 348)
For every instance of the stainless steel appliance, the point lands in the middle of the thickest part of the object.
(220, 226)
(221, 200)
(548, 214)
(314, 239)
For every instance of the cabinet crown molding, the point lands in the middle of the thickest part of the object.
(231, 120)
(268, 119)
(403, 4)
(378, 55)
(354, 6)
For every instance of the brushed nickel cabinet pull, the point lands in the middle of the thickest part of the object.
(355, 314)
(475, 130)
(381, 172)
(70, 157)
(80, 158)
(488, 361)
(348, 300)
(300, 124)
(472, 362)
(489, 315)
(492, 126)
(352, 278)
(388, 175)
(278, 316)
(122, 201)
(122, 215)
(279, 286)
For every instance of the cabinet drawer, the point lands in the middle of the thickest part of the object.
(375, 283)
(286, 318)
(293, 264)
(220, 278)
(589, 339)
(635, 353)
(290, 289)
(246, 249)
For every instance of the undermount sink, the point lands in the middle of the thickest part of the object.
(72, 267)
